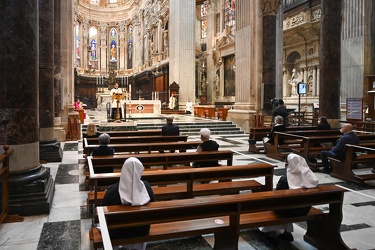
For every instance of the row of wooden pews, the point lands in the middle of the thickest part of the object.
(223, 211)
(355, 155)
(257, 134)
(225, 216)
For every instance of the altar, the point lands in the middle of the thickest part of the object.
(134, 108)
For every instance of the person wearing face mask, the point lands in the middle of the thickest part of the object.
(349, 137)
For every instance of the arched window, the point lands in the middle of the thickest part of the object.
(93, 37)
(113, 42)
(130, 47)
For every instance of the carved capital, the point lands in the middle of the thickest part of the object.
(270, 7)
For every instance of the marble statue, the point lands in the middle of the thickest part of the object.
(294, 80)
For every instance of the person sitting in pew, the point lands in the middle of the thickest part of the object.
(207, 145)
(323, 124)
(91, 131)
(169, 129)
(278, 127)
(103, 150)
(298, 175)
(130, 191)
(337, 151)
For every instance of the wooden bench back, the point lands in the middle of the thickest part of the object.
(232, 210)
(258, 133)
(148, 147)
(158, 159)
(139, 139)
(161, 177)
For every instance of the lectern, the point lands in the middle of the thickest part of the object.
(118, 97)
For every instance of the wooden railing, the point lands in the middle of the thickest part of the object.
(4, 174)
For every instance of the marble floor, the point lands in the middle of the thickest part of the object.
(68, 224)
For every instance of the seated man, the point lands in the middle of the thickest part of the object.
(169, 129)
(337, 151)
(207, 145)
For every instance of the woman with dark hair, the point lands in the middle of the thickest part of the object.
(323, 124)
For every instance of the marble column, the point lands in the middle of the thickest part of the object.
(57, 58)
(182, 47)
(103, 55)
(46, 69)
(269, 9)
(330, 71)
(19, 110)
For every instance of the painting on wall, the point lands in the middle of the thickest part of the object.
(229, 75)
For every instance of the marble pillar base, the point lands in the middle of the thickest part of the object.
(50, 151)
(31, 193)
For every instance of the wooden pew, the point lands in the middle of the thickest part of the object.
(127, 133)
(257, 134)
(222, 113)
(147, 147)
(308, 143)
(189, 181)
(343, 169)
(156, 159)
(139, 139)
(225, 216)
(295, 139)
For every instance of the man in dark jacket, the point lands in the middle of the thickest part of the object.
(282, 111)
(207, 145)
(337, 151)
(170, 129)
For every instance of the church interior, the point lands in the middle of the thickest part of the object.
(127, 65)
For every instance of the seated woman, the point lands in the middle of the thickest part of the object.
(298, 175)
(207, 145)
(278, 127)
(323, 124)
(91, 132)
(130, 191)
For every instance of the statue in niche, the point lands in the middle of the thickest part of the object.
(203, 83)
(217, 83)
(166, 43)
(294, 80)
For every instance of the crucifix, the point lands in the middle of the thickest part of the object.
(139, 94)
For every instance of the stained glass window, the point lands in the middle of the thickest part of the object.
(230, 13)
(78, 43)
(204, 9)
(113, 47)
(93, 33)
(130, 47)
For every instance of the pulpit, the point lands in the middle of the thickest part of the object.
(118, 97)
(81, 113)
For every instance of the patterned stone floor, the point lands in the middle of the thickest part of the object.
(68, 224)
